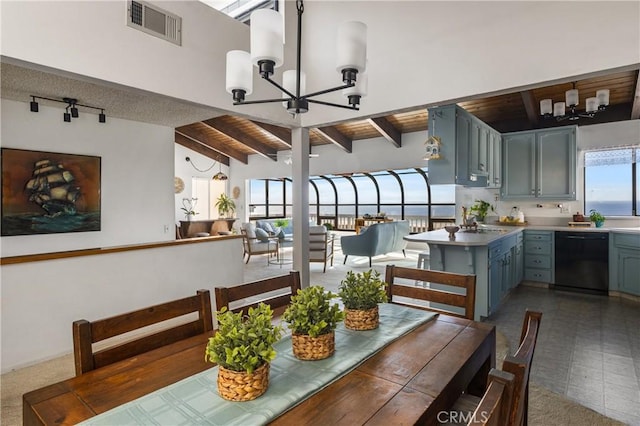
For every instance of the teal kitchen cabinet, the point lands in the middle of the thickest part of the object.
(540, 164)
(539, 256)
(495, 160)
(503, 273)
(470, 151)
(624, 263)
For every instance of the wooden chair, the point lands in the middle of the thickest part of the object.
(253, 246)
(520, 366)
(495, 406)
(86, 333)
(516, 367)
(320, 246)
(251, 294)
(443, 297)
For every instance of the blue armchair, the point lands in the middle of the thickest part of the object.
(379, 238)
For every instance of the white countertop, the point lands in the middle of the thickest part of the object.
(490, 233)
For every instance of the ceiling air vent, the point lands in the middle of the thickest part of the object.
(155, 21)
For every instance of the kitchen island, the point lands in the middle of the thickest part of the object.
(493, 255)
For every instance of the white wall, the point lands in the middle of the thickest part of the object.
(40, 300)
(136, 175)
(419, 53)
(426, 52)
(187, 172)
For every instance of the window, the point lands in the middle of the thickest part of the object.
(611, 181)
(402, 194)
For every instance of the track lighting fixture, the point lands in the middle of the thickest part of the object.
(71, 110)
(33, 104)
(217, 176)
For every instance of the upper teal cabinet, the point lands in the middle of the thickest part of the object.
(540, 164)
(471, 150)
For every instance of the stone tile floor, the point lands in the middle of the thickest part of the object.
(588, 347)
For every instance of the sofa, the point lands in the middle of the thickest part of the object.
(379, 238)
(269, 225)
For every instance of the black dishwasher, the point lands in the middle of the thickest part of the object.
(582, 261)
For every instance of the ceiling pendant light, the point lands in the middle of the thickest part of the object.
(267, 53)
(217, 176)
(558, 110)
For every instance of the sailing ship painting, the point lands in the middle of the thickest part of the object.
(45, 192)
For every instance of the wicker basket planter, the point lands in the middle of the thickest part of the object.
(310, 348)
(242, 386)
(356, 319)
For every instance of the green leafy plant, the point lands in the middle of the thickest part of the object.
(188, 206)
(310, 312)
(480, 209)
(281, 223)
(596, 216)
(362, 291)
(243, 343)
(328, 225)
(225, 205)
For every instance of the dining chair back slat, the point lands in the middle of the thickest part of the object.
(520, 366)
(495, 406)
(86, 334)
(465, 301)
(252, 294)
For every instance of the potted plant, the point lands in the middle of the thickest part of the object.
(596, 217)
(188, 207)
(480, 209)
(312, 320)
(225, 205)
(328, 225)
(243, 348)
(360, 294)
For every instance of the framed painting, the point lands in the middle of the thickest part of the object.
(49, 192)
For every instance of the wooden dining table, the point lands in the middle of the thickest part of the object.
(409, 381)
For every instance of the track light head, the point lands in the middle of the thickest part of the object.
(66, 116)
(33, 105)
(101, 117)
(74, 112)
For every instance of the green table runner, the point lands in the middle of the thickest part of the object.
(195, 400)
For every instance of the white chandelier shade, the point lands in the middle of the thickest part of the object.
(352, 46)
(267, 37)
(239, 71)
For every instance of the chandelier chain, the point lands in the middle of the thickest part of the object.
(201, 171)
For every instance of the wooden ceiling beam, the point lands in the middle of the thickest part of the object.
(281, 133)
(334, 136)
(187, 142)
(201, 137)
(530, 106)
(635, 109)
(234, 133)
(387, 130)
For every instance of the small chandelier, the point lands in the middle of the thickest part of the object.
(217, 176)
(267, 53)
(595, 104)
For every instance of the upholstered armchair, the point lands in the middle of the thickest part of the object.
(252, 245)
(379, 238)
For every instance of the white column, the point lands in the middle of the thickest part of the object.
(300, 187)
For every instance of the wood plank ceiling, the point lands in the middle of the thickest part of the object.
(227, 137)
